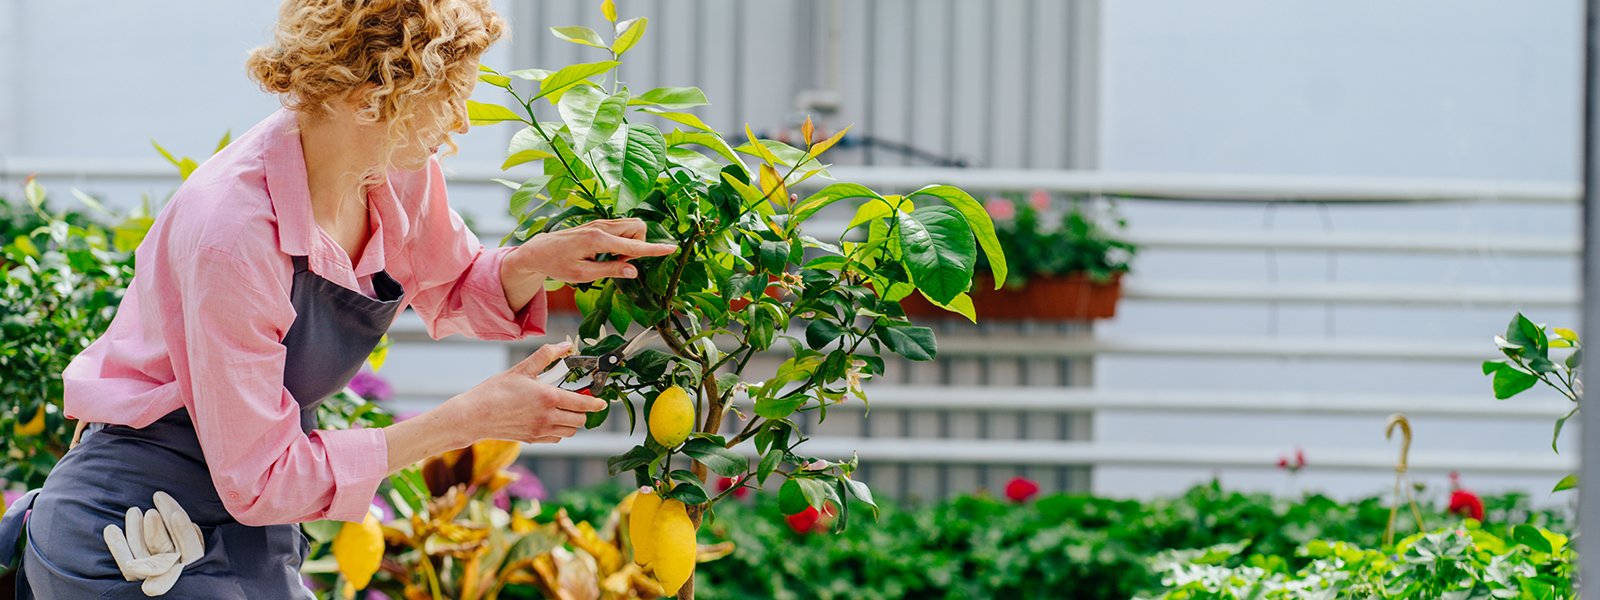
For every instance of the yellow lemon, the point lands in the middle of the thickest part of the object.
(34, 426)
(641, 526)
(672, 417)
(674, 546)
(359, 549)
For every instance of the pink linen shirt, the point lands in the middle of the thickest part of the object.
(202, 323)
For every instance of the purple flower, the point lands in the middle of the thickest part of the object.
(370, 386)
(11, 496)
(527, 486)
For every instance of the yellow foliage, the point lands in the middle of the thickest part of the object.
(358, 548)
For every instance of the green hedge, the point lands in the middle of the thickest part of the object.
(980, 547)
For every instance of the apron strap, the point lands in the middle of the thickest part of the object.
(77, 434)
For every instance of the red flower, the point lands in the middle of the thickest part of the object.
(805, 520)
(1300, 458)
(1283, 462)
(1020, 489)
(1463, 502)
(727, 482)
(811, 520)
(1466, 504)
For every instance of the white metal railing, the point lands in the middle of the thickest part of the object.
(1271, 188)
(1050, 402)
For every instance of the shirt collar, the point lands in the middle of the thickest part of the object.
(286, 185)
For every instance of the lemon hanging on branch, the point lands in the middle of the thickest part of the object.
(672, 417)
(675, 546)
(641, 525)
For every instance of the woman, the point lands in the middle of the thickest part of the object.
(263, 286)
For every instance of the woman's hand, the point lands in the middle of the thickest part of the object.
(569, 255)
(512, 405)
(515, 405)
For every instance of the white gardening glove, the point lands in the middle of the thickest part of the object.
(157, 545)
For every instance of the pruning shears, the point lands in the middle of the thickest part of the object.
(598, 367)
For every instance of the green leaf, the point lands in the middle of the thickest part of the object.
(557, 82)
(829, 195)
(778, 408)
(672, 98)
(862, 493)
(526, 146)
(709, 140)
(961, 305)
(714, 456)
(769, 463)
(500, 81)
(637, 457)
(702, 166)
(689, 493)
(481, 113)
(1575, 359)
(1531, 537)
(628, 34)
(816, 491)
(791, 500)
(597, 418)
(644, 157)
(580, 35)
(680, 117)
(530, 74)
(774, 255)
(939, 251)
(822, 332)
(1561, 422)
(915, 343)
(591, 116)
(527, 193)
(978, 219)
(1569, 482)
(1508, 380)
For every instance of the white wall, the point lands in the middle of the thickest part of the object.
(1434, 88)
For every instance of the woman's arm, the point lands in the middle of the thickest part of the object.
(510, 406)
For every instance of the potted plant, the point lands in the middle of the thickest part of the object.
(1072, 271)
(742, 236)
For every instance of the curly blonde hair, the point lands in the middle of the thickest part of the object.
(402, 58)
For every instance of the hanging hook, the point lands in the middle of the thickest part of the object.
(1399, 420)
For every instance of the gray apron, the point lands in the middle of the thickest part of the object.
(115, 467)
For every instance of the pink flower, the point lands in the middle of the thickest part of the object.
(1283, 462)
(385, 513)
(1021, 489)
(1299, 458)
(1039, 200)
(370, 386)
(1000, 209)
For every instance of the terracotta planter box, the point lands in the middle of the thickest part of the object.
(1073, 297)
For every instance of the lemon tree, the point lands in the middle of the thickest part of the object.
(752, 275)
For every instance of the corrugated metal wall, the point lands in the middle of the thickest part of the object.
(986, 83)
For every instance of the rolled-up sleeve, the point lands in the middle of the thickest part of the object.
(265, 468)
(461, 290)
